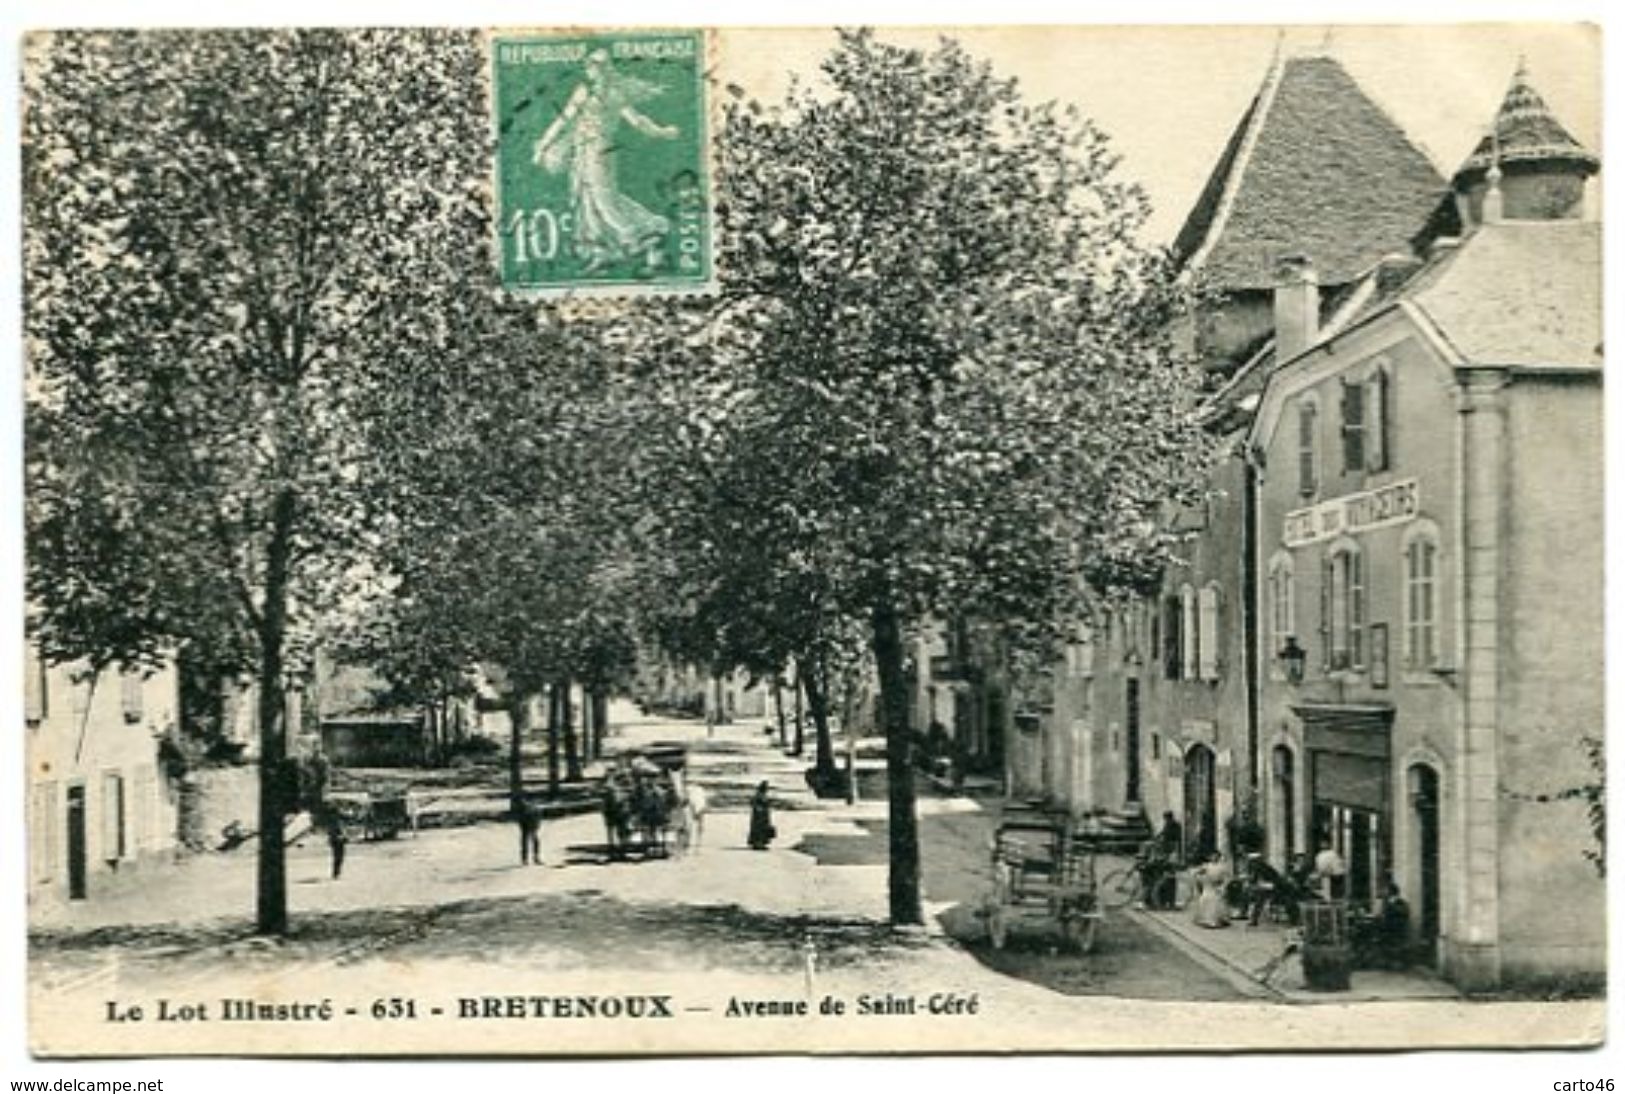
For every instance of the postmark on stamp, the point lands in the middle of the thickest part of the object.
(602, 172)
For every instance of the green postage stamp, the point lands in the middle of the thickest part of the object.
(602, 173)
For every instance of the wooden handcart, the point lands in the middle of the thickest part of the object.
(1042, 869)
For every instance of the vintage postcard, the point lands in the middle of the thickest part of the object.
(668, 540)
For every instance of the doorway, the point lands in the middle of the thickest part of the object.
(1284, 815)
(1424, 787)
(77, 856)
(1131, 742)
(1201, 805)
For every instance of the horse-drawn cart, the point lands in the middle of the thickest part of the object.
(370, 814)
(1042, 869)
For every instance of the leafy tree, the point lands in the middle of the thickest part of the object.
(949, 364)
(234, 242)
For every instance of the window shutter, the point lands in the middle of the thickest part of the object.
(112, 817)
(1378, 402)
(1353, 426)
(1207, 611)
(1306, 449)
(1356, 609)
(1190, 634)
(1170, 637)
(34, 690)
(1326, 612)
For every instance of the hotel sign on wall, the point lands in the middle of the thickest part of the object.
(1395, 503)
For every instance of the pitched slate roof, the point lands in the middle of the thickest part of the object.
(1315, 168)
(1526, 131)
(1520, 293)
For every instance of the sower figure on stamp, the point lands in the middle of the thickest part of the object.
(583, 139)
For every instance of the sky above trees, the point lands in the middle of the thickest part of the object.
(1170, 96)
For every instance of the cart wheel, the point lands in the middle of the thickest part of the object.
(1079, 932)
(1120, 888)
(998, 926)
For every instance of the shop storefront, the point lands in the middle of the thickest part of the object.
(1350, 775)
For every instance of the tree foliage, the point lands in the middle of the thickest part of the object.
(952, 388)
(234, 241)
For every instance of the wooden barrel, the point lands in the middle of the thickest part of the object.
(1328, 956)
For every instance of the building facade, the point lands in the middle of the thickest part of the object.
(1383, 630)
(1156, 713)
(98, 798)
(1431, 507)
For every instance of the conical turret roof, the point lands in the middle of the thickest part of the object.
(1526, 131)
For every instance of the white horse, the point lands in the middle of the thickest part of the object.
(689, 816)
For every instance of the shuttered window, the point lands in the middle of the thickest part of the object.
(1378, 432)
(1207, 613)
(113, 817)
(1346, 579)
(1282, 614)
(1190, 634)
(1307, 484)
(35, 692)
(1354, 423)
(1170, 637)
(44, 832)
(1421, 608)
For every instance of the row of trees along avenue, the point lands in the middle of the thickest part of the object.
(276, 397)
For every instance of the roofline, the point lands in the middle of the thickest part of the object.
(1336, 324)
(1244, 154)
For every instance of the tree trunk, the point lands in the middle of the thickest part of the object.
(800, 720)
(553, 741)
(600, 721)
(572, 747)
(818, 705)
(271, 889)
(587, 753)
(904, 879)
(518, 714)
(778, 709)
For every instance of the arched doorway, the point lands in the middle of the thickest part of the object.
(1201, 804)
(1283, 805)
(1423, 785)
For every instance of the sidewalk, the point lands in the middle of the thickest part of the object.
(1251, 960)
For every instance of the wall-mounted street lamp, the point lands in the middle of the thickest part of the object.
(1292, 657)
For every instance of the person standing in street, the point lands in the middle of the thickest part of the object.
(529, 815)
(1171, 838)
(337, 839)
(762, 831)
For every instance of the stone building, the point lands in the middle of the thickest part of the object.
(1155, 713)
(98, 798)
(1430, 524)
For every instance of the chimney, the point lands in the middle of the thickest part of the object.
(1297, 306)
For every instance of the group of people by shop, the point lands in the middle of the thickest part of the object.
(1255, 889)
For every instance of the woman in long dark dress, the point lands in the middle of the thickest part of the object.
(761, 820)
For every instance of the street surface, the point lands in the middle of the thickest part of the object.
(448, 919)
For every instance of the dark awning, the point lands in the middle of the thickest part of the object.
(1348, 747)
(1354, 729)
